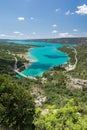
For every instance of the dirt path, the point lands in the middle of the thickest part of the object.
(15, 65)
(72, 67)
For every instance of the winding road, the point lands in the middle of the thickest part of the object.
(72, 67)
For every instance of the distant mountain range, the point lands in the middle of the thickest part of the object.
(77, 40)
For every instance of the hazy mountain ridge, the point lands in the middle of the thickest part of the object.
(73, 40)
(78, 40)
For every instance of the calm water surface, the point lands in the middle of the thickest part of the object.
(46, 55)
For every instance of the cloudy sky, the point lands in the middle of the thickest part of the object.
(21, 19)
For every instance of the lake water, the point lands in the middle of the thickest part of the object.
(46, 55)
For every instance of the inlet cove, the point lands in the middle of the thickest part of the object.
(43, 56)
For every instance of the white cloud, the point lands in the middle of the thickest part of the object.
(21, 18)
(33, 33)
(65, 34)
(21, 34)
(75, 30)
(54, 31)
(2, 35)
(54, 25)
(16, 32)
(57, 10)
(69, 13)
(31, 18)
(82, 9)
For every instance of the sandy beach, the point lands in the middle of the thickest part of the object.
(26, 56)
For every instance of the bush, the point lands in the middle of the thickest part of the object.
(16, 105)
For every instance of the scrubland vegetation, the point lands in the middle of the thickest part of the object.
(66, 106)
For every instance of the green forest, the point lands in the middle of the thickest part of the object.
(52, 102)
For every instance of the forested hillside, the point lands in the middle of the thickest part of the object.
(64, 106)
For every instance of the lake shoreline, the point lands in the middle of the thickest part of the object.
(26, 56)
(41, 59)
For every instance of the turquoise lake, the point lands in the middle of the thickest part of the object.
(46, 56)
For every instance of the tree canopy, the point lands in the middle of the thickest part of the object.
(68, 117)
(16, 105)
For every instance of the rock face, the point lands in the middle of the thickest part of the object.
(39, 96)
(78, 83)
(39, 101)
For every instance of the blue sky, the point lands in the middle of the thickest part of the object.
(26, 19)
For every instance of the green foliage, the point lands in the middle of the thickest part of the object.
(16, 105)
(14, 48)
(7, 53)
(81, 68)
(69, 51)
(65, 118)
(57, 92)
